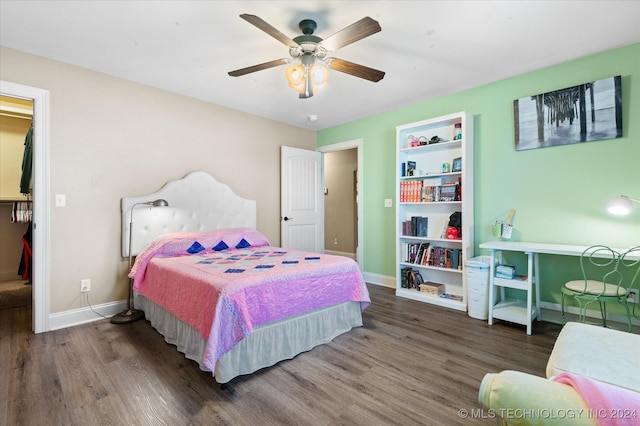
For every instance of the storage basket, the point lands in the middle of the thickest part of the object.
(432, 288)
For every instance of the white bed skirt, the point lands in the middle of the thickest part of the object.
(266, 346)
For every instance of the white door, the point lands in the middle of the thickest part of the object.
(302, 200)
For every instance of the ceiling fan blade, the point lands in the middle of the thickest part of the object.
(267, 28)
(259, 67)
(354, 32)
(355, 69)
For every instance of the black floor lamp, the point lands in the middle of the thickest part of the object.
(131, 314)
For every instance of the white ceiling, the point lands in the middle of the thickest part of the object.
(427, 48)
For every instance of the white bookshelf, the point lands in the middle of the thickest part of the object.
(411, 201)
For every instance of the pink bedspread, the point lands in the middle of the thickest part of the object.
(225, 293)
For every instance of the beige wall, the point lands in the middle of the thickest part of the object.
(111, 138)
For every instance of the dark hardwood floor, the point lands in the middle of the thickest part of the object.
(411, 364)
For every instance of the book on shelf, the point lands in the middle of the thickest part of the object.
(444, 257)
(407, 249)
(427, 255)
(431, 189)
(448, 192)
(451, 296)
(416, 191)
(437, 189)
(405, 272)
(423, 254)
(430, 194)
(420, 226)
(455, 259)
(416, 278)
(410, 278)
(505, 271)
(410, 191)
(413, 252)
(417, 226)
(419, 253)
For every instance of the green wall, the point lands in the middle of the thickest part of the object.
(559, 193)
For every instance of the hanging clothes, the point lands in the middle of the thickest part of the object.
(25, 269)
(21, 212)
(27, 162)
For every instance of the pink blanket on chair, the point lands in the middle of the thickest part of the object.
(610, 405)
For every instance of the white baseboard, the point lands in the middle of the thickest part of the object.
(342, 253)
(85, 315)
(382, 280)
(549, 312)
(552, 312)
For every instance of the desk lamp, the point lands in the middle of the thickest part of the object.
(621, 205)
(131, 314)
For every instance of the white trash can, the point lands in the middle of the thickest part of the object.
(477, 271)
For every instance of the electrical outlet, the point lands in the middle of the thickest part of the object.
(632, 297)
(85, 285)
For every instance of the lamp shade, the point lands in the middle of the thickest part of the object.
(296, 77)
(319, 74)
(620, 205)
(160, 203)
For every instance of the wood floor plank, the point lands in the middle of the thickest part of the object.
(410, 364)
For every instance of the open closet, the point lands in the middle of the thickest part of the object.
(16, 206)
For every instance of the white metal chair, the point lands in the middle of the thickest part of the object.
(607, 278)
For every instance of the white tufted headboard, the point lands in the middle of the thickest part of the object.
(197, 202)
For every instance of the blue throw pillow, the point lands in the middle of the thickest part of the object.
(221, 246)
(195, 248)
(243, 244)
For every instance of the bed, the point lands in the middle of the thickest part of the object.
(215, 287)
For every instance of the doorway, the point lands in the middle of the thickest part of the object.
(40, 199)
(16, 116)
(340, 202)
(343, 216)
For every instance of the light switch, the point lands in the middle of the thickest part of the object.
(388, 202)
(61, 200)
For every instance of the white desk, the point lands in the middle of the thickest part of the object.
(523, 312)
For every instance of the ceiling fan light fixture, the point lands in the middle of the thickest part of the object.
(310, 53)
(306, 80)
(296, 77)
(319, 74)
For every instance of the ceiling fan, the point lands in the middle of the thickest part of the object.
(312, 53)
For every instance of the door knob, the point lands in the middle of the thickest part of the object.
(287, 218)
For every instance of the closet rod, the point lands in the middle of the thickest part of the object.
(16, 201)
